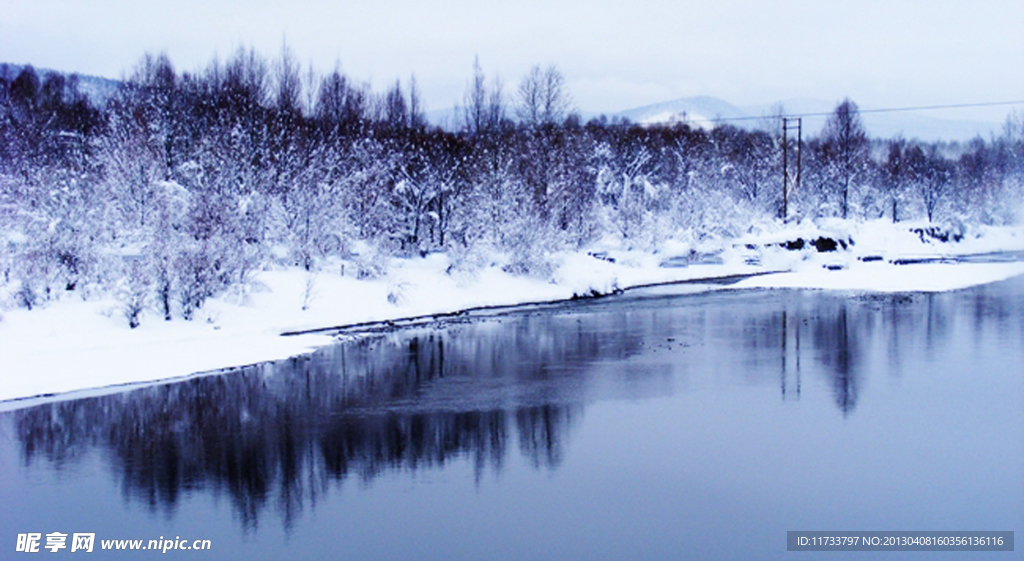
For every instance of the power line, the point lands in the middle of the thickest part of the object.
(882, 110)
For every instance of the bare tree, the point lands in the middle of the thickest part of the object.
(341, 103)
(930, 174)
(331, 98)
(771, 120)
(310, 84)
(289, 83)
(495, 105)
(484, 108)
(395, 112)
(247, 80)
(475, 100)
(543, 97)
(894, 175)
(846, 148)
(416, 118)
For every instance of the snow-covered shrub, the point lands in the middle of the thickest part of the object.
(26, 296)
(197, 278)
(469, 258)
(69, 247)
(192, 285)
(371, 262)
(204, 269)
(161, 266)
(309, 292)
(39, 274)
(6, 260)
(134, 293)
(396, 293)
(257, 215)
(166, 237)
(711, 215)
(529, 252)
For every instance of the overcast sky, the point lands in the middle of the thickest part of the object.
(615, 55)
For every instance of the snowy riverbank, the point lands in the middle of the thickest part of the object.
(73, 344)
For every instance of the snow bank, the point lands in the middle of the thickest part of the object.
(74, 344)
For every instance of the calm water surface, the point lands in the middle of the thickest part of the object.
(700, 426)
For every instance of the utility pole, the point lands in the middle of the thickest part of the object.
(788, 124)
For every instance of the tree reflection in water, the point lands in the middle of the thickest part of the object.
(279, 434)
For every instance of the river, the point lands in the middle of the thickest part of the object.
(649, 426)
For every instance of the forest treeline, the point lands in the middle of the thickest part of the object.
(182, 184)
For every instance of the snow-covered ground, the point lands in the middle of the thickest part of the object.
(76, 345)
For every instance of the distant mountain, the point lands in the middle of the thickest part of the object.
(707, 111)
(698, 111)
(701, 111)
(97, 88)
